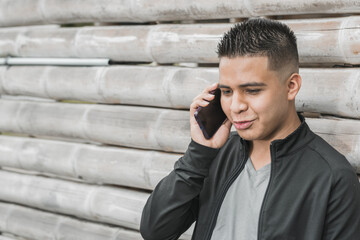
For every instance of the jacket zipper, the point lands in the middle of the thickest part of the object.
(267, 190)
(224, 190)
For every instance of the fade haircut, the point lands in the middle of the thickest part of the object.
(262, 37)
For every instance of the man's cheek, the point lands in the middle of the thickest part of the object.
(228, 115)
(226, 108)
(261, 105)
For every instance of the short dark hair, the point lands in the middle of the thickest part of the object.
(261, 37)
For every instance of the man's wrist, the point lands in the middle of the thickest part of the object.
(200, 156)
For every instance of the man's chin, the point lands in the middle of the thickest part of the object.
(246, 135)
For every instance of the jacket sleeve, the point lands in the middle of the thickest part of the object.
(343, 214)
(173, 205)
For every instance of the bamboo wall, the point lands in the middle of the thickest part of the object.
(82, 147)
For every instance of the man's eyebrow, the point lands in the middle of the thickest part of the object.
(223, 86)
(252, 84)
(244, 85)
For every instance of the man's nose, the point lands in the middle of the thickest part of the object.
(238, 103)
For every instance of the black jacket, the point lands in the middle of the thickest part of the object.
(313, 191)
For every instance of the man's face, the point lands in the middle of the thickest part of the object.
(253, 98)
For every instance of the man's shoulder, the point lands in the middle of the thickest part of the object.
(329, 155)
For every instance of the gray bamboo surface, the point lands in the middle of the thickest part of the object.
(5, 236)
(35, 224)
(60, 179)
(20, 12)
(169, 43)
(140, 127)
(137, 127)
(322, 89)
(112, 205)
(93, 164)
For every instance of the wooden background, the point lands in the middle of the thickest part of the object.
(81, 147)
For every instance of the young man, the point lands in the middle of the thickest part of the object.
(271, 179)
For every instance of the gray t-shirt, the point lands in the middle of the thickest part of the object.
(238, 218)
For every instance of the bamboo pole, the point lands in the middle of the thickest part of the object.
(35, 225)
(139, 127)
(317, 42)
(15, 61)
(93, 164)
(113, 205)
(171, 87)
(20, 12)
(10, 37)
(330, 91)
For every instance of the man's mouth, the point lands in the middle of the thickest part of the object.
(242, 125)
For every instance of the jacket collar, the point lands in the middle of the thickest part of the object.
(294, 141)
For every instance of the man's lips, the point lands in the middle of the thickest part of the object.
(242, 125)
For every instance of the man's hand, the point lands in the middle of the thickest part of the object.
(220, 137)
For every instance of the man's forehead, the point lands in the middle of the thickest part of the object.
(245, 71)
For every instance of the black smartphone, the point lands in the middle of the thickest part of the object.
(211, 117)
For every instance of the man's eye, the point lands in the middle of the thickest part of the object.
(253, 91)
(226, 92)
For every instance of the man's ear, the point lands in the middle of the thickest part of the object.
(293, 85)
